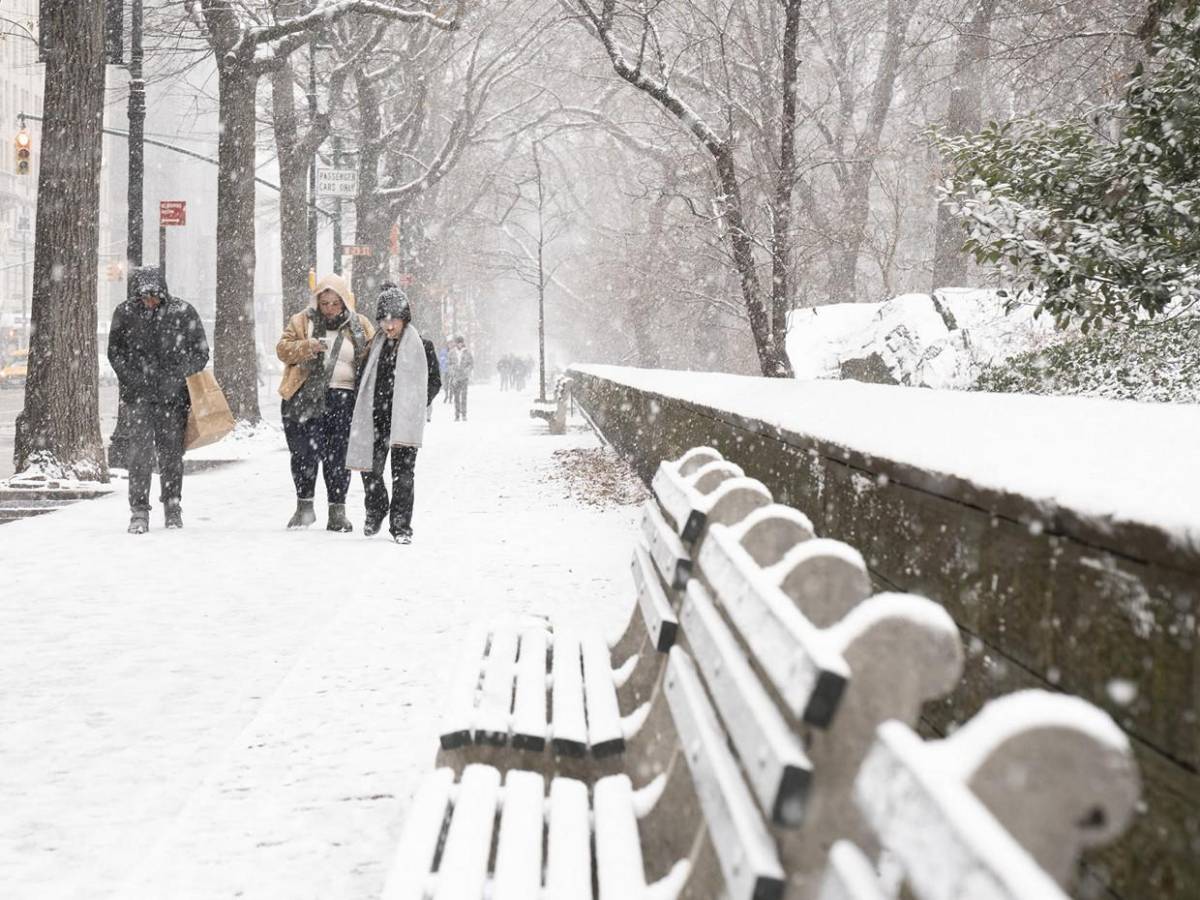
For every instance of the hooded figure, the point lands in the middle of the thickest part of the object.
(324, 348)
(155, 342)
(399, 381)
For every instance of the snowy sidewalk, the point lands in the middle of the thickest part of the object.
(237, 710)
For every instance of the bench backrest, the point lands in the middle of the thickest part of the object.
(778, 645)
(1001, 809)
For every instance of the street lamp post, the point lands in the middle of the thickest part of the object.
(137, 128)
(337, 211)
(312, 168)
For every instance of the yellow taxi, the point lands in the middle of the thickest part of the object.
(15, 370)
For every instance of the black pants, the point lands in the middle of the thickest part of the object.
(404, 462)
(151, 428)
(458, 391)
(322, 440)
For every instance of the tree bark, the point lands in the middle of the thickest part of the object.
(771, 356)
(856, 192)
(234, 356)
(59, 425)
(293, 194)
(781, 207)
(964, 115)
(371, 226)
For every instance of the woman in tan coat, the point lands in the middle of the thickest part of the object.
(324, 349)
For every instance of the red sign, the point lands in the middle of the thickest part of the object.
(405, 279)
(172, 212)
(356, 250)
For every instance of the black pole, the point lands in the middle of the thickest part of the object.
(337, 211)
(162, 250)
(137, 128)
(312, 168)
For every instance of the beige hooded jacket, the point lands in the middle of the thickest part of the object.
(293, 349)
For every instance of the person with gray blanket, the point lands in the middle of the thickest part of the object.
(399, 381)
(155, 342)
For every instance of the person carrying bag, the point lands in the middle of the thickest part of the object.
(324, 349)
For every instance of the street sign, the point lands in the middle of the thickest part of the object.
(356, 250)
(172, 212)
(337, 182)
(405, 279)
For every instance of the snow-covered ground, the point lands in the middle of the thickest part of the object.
(235, 710)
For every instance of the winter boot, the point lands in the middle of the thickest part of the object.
(337, 519)
(371, 526)
(303, 516)
(402, 537)
(172, 514)
(139, 522)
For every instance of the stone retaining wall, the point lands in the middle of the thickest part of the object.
(1110, 615)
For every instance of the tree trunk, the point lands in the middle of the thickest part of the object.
(59, 425)
(293, 194)
(371, 226)
(234, 350)
(781, 207)
(771, 358)
(963, 116)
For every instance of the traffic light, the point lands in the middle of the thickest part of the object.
(24, 145)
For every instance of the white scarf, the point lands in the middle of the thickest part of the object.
(409, 394)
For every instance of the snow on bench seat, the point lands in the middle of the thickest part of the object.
(1001, 809)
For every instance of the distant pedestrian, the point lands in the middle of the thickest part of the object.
(324, 347)
(504, 367)
(459, 375)
(444, 366)
(155, 342)
(398, 383)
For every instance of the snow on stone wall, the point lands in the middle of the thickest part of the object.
(939, 340)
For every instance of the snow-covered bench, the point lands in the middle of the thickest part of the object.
(540, 696)
(556, 411)
(999, 810)
(738, 778)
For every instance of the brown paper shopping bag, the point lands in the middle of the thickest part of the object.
(210, 418)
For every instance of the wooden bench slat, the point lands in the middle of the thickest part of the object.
(667, 551)
(802, 663)
(569, 854)
(492, 719)
(684, 496)
(605, 734)
(529, 706)
(518, 874)
(850, 876)
(419, 839)
(570, 727)
(745, 849)
(458, 725)
(772, 756)
(661, 621)
(619, 866)
(464, 864)
(901, 783)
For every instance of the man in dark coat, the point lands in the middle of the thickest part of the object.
(156, 341)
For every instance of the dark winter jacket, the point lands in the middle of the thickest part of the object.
(154, 350)
(385, 381)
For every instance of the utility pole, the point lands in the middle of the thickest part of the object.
(312, 168)
(541, 285)
(137, 129)
(337, 211)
